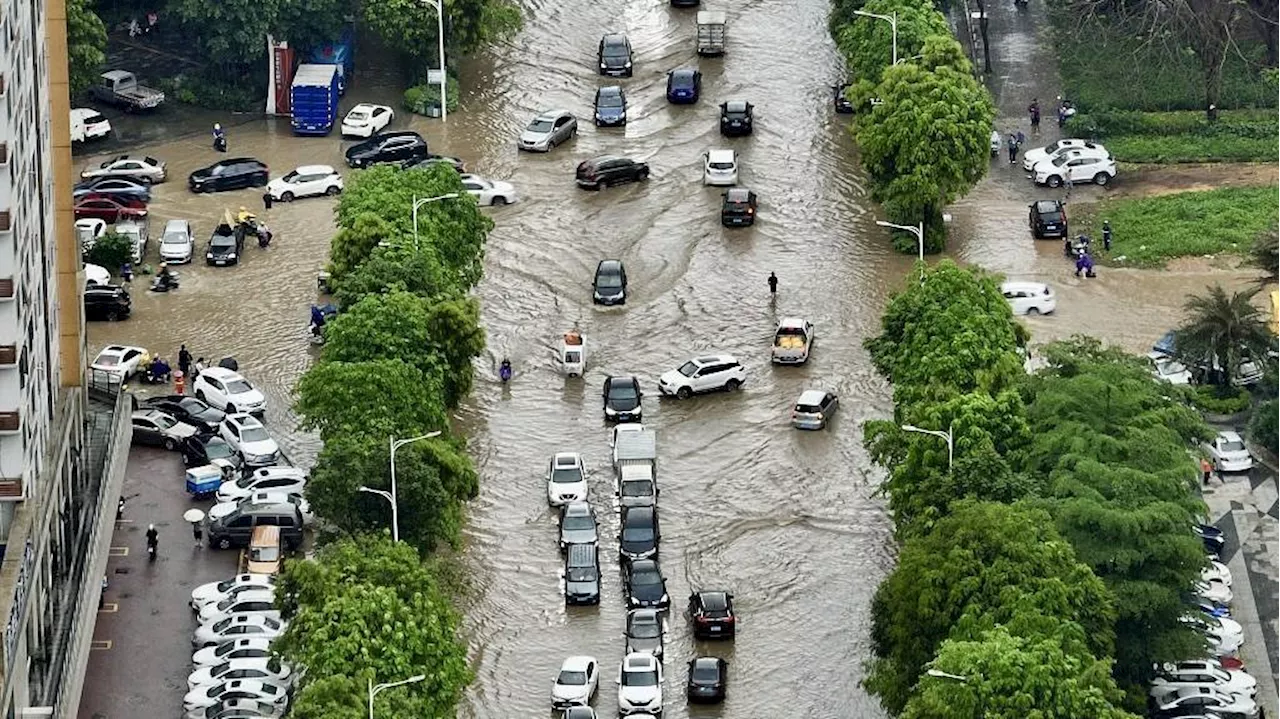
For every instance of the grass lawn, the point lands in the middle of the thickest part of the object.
(1183, 136)
(1147, 231)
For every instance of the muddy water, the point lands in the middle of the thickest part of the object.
(788, 521)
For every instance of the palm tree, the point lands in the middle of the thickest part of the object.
(1221, 332)
(1265, 255)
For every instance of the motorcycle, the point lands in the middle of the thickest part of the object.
(995, 144)
(504, 372)
(264, 236)
(165, 283)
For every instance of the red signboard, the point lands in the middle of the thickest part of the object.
(282, 71)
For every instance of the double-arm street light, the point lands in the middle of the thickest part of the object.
(444, 100)
(375, 688)
(391, 496)
(947, 435)
(893, 22)
(419, 203)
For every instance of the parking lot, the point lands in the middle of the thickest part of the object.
(142, 642)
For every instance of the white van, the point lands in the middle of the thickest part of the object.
(87, 124)
(1029, 298)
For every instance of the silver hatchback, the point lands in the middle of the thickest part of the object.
(547, 130)
(814, 409)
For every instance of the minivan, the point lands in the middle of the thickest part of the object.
(581, 575)
(236, 529)
(610, 284)
(265, 553)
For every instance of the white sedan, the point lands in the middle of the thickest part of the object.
(1036, 154)
(258, 602)
(217, 591)
(1204, 674)
(119, 360)
(212, 633)
(289, 480)
(489, 192)
(1229, 453)
(237, 708)
(243, 648)
(576, 683)
(566, 479)
(261, 668)
(247, 436)
(640, 684)
(366, 119)
(306, 181)
(1168, 369)
(210, 694)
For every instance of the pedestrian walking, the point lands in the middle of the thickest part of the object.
(1034, 111)
(773, 284)
(126, 272)
(1062, 115)
(266, 200)
(197, 530)
(1066, 182)
(1021, 138)
(184, 360)
(1013, 148)
(1106, 235)
(1206, 469)
(102, 596)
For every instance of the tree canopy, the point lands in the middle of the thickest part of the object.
(867, 43)
(86, 45)
(379, 399)
(1224, 331)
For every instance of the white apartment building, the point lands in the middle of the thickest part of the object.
(58, 445)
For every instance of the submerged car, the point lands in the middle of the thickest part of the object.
(614, 55)
(644, 632)
(684, 86)
(610, 284)
(577, 524)
(576, 682)
(738, 208)
(566, 479)
(622, 397)
(640, 684)
(646, 588)
(737, 118)
(547, 130)
(707, 679)
(611, 107)
(1229, 453)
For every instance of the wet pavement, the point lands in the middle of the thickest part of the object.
(788, 521)
(142, 642)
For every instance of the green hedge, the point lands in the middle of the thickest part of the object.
(1263, 425)
(420, 98)
(1183, 136)
(1149, 230)
(1208, 398)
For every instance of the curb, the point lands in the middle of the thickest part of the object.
(1263, 455)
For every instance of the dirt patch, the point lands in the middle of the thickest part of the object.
(1153, 180)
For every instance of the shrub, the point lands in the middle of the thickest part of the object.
(420, 99)
(110, 251)
(1171, 137)
(1262, 426)
(213, 92)
(1220, 400)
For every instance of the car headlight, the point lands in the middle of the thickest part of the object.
(628, 65)
(208, 255)
(231, 256)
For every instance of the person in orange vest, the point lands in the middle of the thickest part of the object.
(179, 382)
(1207, 469)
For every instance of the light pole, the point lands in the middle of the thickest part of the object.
(444, 101)
(375, 688)
(944, 675)
(391, 496)
(947, 435)
(893, 22)
(419, 203)
(918, 231)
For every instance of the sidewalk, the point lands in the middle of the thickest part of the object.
(142, 642)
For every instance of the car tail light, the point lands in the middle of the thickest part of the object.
(751, 210)
(729, 619)
(703, 620)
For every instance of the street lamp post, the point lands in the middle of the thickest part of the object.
(893, 23)
(947, 435)
(918, 231)
(375, 688)
(419, 203)
(391, 496)
(444, 100)
(944, 675)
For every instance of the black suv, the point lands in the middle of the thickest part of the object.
(739, 208)
(601, 172)
(712, 614)
(622, 397)
(736, 118)
(610, 284)
(1048, 219)
(106, 302)
(235, 174)
(615, 55)
(225, 246)
(387, 147)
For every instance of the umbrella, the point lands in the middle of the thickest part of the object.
(193, 515)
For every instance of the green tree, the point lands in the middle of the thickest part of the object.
(86, 45)
(379, 398)
(1263, 425)
(409, 26)
(230, 33)
(311, 23)
(332, 697)
(367, 559)
(986, 564)
(389, 269)
(472, 24)
(926, 142)
(433, 477)
(867, 43)
(399, 325)
(1265, 255)
(1223, 332)
(110, 251)
(1002, 676)
(953, 333)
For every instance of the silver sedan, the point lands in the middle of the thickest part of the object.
(547, 130)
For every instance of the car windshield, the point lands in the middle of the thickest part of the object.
(265, 554)
(172, 238)
(807, 409)
(1170, 367)
(705, 673)
(291, 177)
(721, 165)
(609, 281)
(1232, 445)
(687, 369)
(222, 242)
(165, 421)
(638, 488)
(615, 51)
(238, 386)
(108, 360)
(217, 450)
(357, 115)
(569, 678)
(646, 630)
(640, 679)
(540, 125)
(582, 574)
(192, 405)
(637, 534)
(714, 604)
(566, 475)
(622, 392)
(610, 100)
(578, 522)
(645, 579)
(254, 434)
(1051, 216)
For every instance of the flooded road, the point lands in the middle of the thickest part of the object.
(788, 521)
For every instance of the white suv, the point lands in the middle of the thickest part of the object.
(640, 684)
(703, 374)
(226, 390)
(566, 479)
(1081, 166)
(720, 167)
(247, 436)
(1035, 155)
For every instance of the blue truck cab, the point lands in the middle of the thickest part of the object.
(314, 98)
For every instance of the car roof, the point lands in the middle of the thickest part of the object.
(177, 224)
(614, 37)
(150, 413)
(221, 373)
(1020, 285)
(366, 106)
(566, 458)
(622, 379)
(644, 615)
(396, 133)
(552, 114)
(643, 513)
(736, 105)
(244, 419)
(794, 322)
(90, 222)
(712, 359)
(737, 194)
(684, 73)
(811, 396)
(609, 266)
(314, 170)
(578, 663)
(639, 662)
(256, 594)
(578, 508)
(722, 156)
(1229, 436)
(714, 599)
(707, 662)
(607, 158)
(1048, 205)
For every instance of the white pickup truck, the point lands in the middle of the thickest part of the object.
(792, 341)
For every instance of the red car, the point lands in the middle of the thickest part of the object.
(108, 208)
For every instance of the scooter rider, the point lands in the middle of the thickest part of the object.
(219, 138)
(505, 370)
(153, 539)
(995, 143)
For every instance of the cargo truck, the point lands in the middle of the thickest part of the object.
(121, 88)
(314, 99)
(711, 27)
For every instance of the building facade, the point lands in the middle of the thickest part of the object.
(60, 459)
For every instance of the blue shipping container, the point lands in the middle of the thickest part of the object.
(340, 53)
(314, 99)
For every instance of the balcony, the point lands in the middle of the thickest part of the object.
(6, 217)
(4, 154)
(10, 422)
(6, 289)
(11, 489)
(8, 356)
